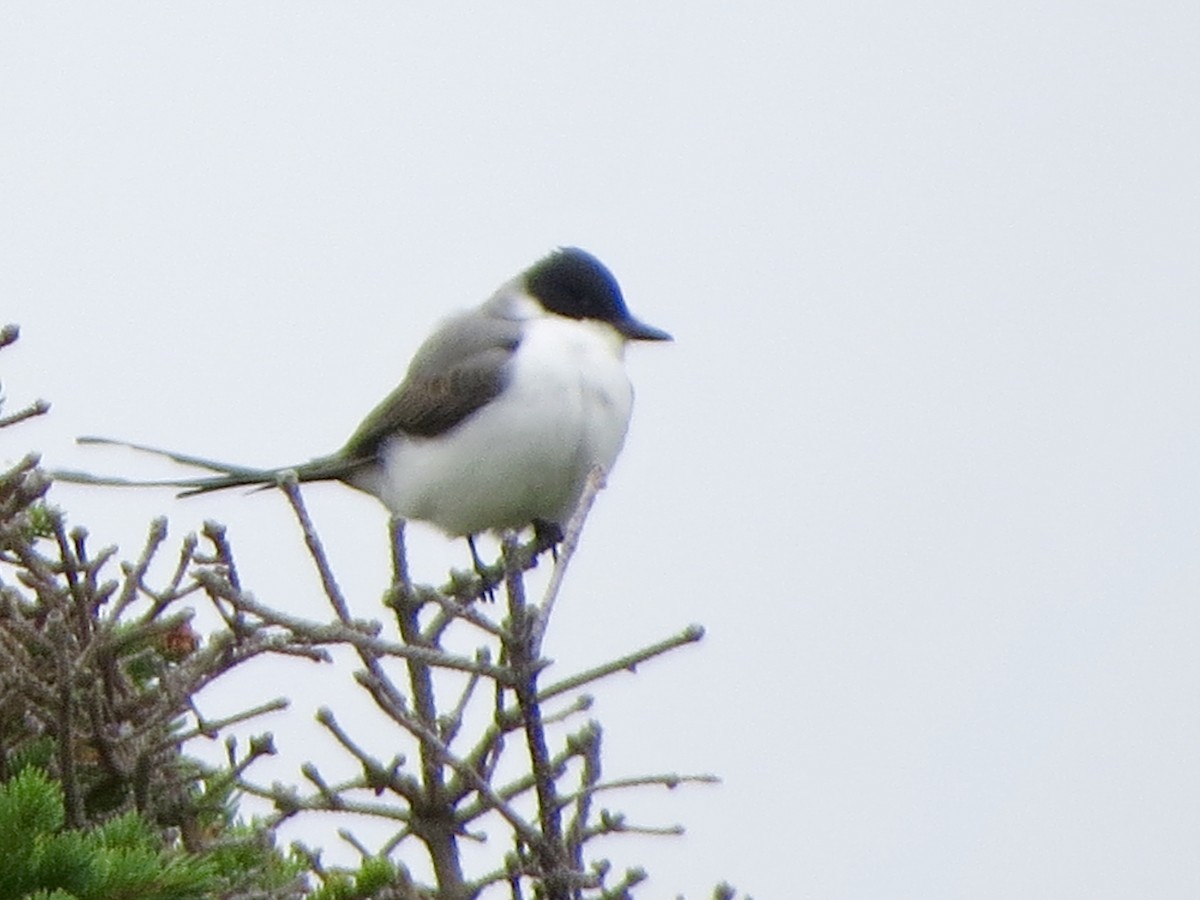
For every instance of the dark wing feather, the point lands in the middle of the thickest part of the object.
(462, 367)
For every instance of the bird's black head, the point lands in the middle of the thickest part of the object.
(571, 282)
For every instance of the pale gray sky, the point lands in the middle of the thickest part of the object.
(923, 458)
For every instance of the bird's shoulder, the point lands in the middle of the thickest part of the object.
(460, 368)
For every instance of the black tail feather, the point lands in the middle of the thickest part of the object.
(228, 475)
(182, 458)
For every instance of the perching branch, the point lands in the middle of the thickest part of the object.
(471, 747)
(450, 790)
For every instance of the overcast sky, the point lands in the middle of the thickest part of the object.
(923, 458)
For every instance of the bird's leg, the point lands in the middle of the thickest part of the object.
(478, 563)
(489, 575)
(547, 536)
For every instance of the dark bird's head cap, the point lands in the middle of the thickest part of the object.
(571, 282)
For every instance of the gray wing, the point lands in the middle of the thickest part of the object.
(459, 369)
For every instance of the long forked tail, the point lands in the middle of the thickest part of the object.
(228, 476)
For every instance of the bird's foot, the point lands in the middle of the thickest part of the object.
(546, 536)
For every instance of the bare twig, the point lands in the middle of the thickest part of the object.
(34, 409)
(592, 487)
(357, 635)
(210, 728)
(629, 662)
(291, 487)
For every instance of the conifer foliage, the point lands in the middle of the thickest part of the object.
(121, 857)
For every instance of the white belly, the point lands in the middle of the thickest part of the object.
(527, 454)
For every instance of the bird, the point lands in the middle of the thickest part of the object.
(503, 413)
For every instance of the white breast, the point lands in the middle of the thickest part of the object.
(525, 455)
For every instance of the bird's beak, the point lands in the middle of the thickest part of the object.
(640, 331)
